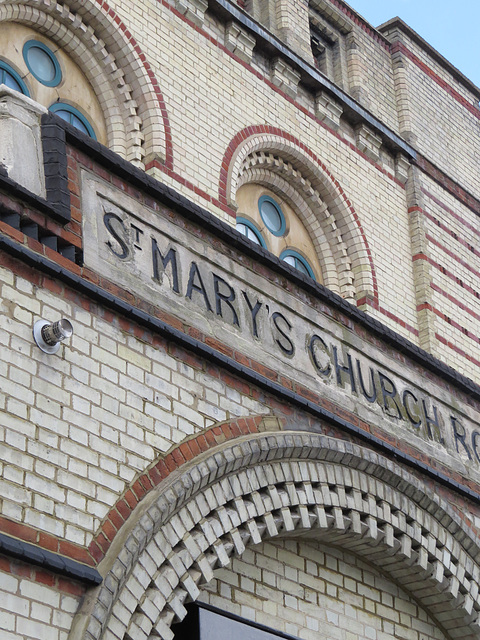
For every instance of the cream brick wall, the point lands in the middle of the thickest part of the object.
(112, 371)
(30, 610)
(199, 74)
(317, 592)
(443, 71)
(454, 247)
(77, 429)
(376, 63)
(446, 131)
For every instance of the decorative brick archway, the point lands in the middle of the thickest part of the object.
(273, 158)
(96, 39)
(261, 486)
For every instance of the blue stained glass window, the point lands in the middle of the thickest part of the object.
(248, 229)
(294, 259)
(73, 117)
(10, 78)
(42, 63)
(272, 215)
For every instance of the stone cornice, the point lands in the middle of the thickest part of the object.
(398, 23)
(311, 77)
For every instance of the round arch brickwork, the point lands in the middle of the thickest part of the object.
(99, 43)
(161, 469)
(261, 486)
(268, 155)
(327, 240)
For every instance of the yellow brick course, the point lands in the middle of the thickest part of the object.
(35, 611)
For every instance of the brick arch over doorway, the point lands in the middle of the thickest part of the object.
(258, 487)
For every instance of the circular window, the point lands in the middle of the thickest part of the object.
(294, 259)
(11, 79)
(42, 63)
(248, 229)
(272, 215)
(73, 117)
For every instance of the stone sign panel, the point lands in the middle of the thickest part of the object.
(146, 252)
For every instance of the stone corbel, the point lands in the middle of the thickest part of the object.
(368, 142)
(402, 166)
(194, 10)
(285, 77)
(328, 110)
(239, 41)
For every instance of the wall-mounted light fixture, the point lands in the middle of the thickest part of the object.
(49, 335)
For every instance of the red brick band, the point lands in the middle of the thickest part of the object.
(149, 479)
(453, 213)
(400, 47)
(35, 574)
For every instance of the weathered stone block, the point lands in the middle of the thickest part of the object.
(194, 10)
(239, 41)
(285, 77)
(21, 147)
(402, 166)
(328, 110)
(368, 142)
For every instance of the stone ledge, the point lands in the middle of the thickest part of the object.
(54, 562)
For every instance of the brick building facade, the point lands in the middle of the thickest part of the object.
(260, 219)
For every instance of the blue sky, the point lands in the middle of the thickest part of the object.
(452, 28)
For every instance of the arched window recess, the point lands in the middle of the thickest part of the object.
(73, 116)
(11, 79)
